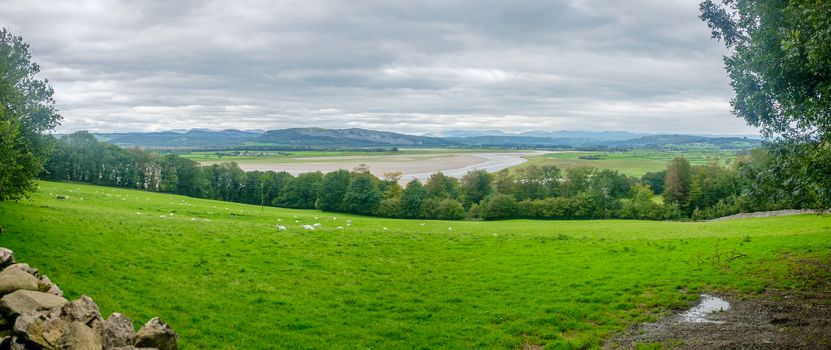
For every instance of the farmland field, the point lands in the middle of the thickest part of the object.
(634, 162)
(224, 278)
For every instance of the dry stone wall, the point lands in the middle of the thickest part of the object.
(35, 315)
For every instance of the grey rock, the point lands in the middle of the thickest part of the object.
(79, 337)
(24, 301)
(118, 332)
(18, 343)
(44, 328)
(157, 334)
(25, 268)
(6, 257)
(47, 286)
(15, 279)
(83, 310)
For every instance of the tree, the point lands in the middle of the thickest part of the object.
(780, 69)
(362, 196)
(677, 182)
(27, 113)
(710, 184)
(391, 186)
(441, 186)
(780, 63)
(301, 192)
(333, 189)
(500, 206)
(412, 199)
(475, 186)
(449, 209)
(576, 180)
(531, 183)
(655, 180)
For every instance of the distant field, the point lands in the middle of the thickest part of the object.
(634, 163)
(224, 278)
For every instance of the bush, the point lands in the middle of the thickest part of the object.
(501, 206)
(390, 208)
(449, 209)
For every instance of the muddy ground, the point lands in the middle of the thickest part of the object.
(795, 319)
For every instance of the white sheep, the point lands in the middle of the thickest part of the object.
(450, 229)
(334, 218)
(308, 227)
(281, 228)
(317, 225)
(385, 229)
(348, 221)
(339, 227)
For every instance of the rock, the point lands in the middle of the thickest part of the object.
(79, 337)
(6, 257)
(118, 332)
(47, 286)
(25, 268)
(15, 279)
(24, 301)
(18, 343)
(157, 334)
(83, 310)
(44, 328)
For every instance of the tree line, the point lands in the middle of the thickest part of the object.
(544, 192)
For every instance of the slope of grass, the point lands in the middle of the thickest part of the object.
(224, 278)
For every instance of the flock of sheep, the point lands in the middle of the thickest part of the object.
(315, 226)
(312, 227)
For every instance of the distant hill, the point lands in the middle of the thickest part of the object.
(189, 139)
(346, 137)
(296, 137)
(320, 138)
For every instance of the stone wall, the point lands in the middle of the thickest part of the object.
(35, 315)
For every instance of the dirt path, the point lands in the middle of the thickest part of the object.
(799, 319)
(765, 214)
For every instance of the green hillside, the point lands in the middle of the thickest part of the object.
(225, 278)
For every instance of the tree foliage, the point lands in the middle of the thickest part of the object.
(27, 113)
(780, 69)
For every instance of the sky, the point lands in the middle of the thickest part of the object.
(407, 66)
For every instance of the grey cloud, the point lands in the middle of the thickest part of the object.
(646, 65)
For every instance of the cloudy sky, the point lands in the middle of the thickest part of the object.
(407, 66)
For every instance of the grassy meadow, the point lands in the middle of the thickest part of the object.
(635, 162)
(224, 278)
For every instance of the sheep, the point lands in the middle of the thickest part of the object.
(317, 218)
(422, 224)
(334, 218)
(279, 220)
(308, 227)
(348, 221)
(385, 229)
(317, 225)
(450, 229)
(281, 228)
(339, 227)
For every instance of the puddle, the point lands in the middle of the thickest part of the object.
(707, 306)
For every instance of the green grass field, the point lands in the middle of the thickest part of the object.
(224, 278)
(635, 162)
